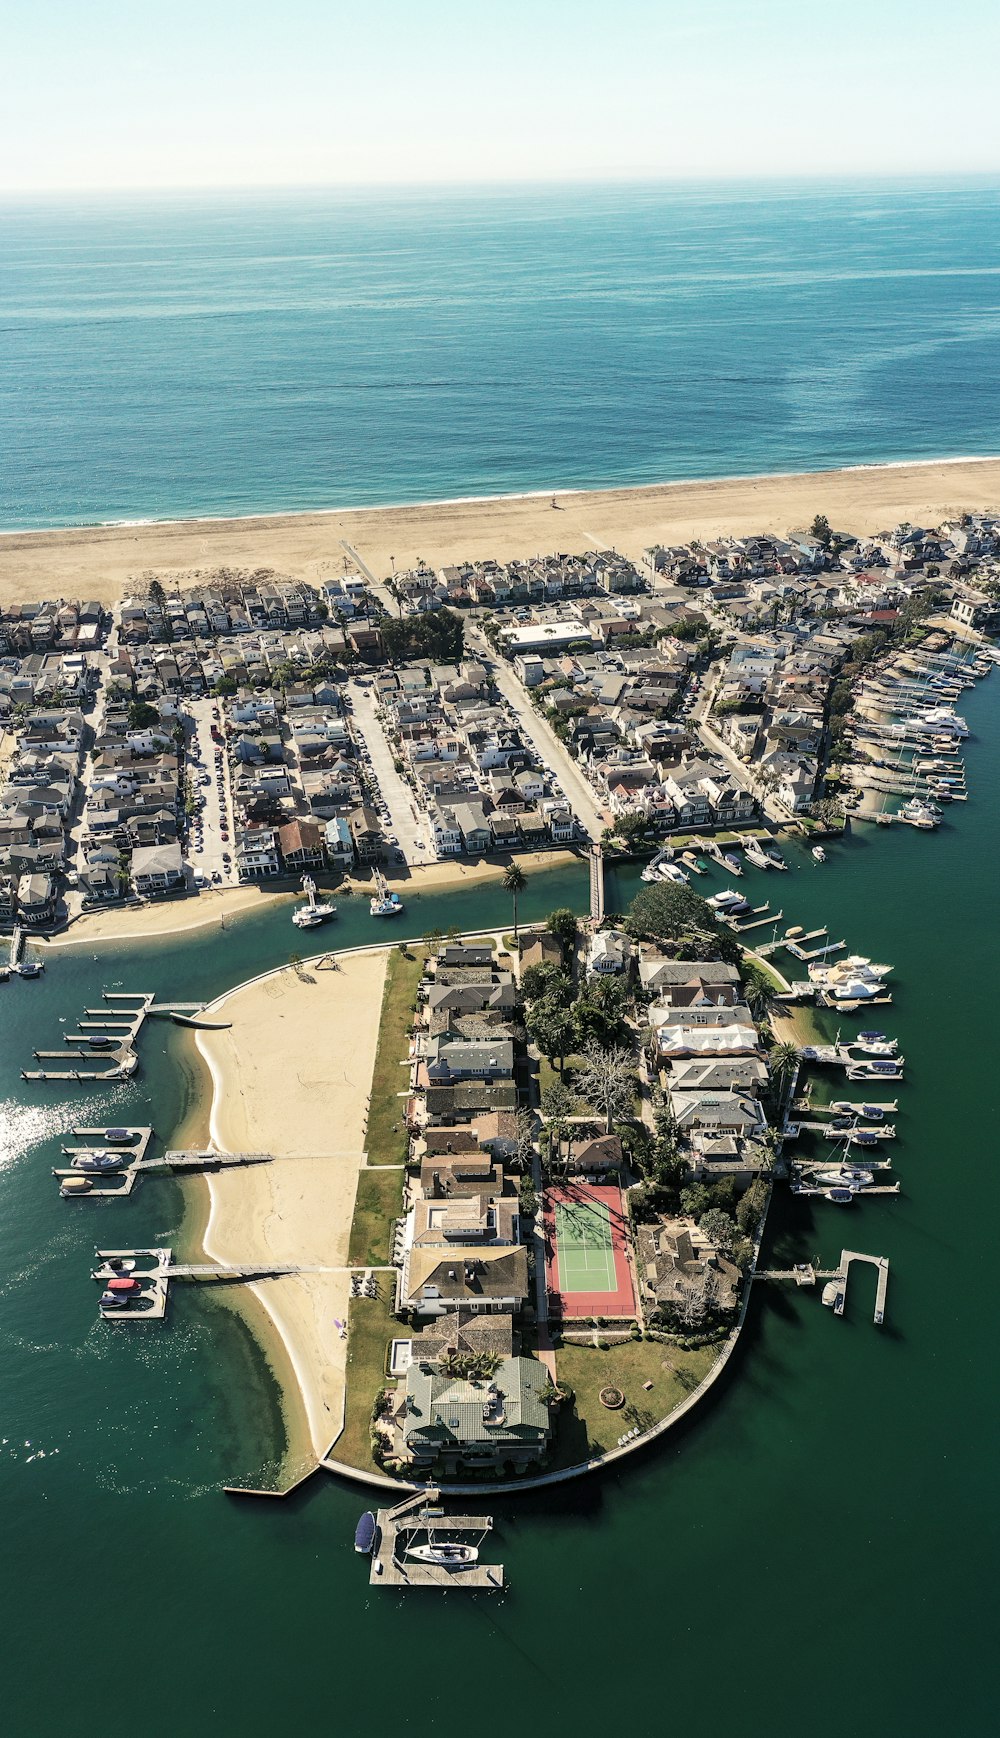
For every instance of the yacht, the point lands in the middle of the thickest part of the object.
(100, 1160)
(674, 872)
(877, 1046)
(725, 900)
(311, 915)
(818, 854)
(919, 814)
(384, 903)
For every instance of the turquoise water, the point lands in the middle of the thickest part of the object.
(816, 1551)
(228, 355)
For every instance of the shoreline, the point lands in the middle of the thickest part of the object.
(101, 561)
(298, 1210)
(159, 919)
(272, 514)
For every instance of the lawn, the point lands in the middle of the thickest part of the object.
(370, 1327)
(388, 1141)
(379, 1201)
(589, 1428)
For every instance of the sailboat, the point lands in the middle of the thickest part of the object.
(446, 1556)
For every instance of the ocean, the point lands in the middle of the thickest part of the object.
(816, 1550)
(175, 356)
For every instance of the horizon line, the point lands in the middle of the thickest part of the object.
(609, 179)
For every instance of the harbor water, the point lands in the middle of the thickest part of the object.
(815, 1550)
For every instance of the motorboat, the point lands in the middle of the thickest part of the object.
(870, 1037)
(840, 1197)
(726, 901)
(366, 1534)
(873, 1112)
(384, 903)
(444, 1556)
(674, 872)
(756, 855)
(30, 969)
(877, 1046)
(311, 915)
(866, 1137)
(120, 1137)
(818, 854)
(852, 990)
(774, 857)
(919, 814)
(100, 1160)
(732, 863)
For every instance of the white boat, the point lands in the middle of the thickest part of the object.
(444, 1556)
(876, 1046)
(722, 901)
(674, 872)
(818, 854)
(756, 855)
(311, 915)
(852, 990)
(845, 1177)
(384, 903)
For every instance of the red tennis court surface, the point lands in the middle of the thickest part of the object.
(618, 1301)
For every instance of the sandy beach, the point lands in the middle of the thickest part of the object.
(99, 562)
(292, 1078)
(207, 909)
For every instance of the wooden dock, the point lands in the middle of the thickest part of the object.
(835, 1289)
(421, 1514)
(104, 1184)
(156, 1278)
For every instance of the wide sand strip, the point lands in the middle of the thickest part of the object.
(98, 562)
(292, 1077)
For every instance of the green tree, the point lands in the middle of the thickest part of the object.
(563, 924)
(546, 980)
(142, 716)
(226, 686)
(669, 911)
(783, 1060)
(719, 1228)
(820, 529)
(514, 882)
(759, 989)
(550, 1027)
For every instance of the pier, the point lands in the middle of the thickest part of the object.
(397, 1528)
(121, 1020)
(835, 1289)
(155, 1280)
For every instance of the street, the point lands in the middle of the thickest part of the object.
(406, 821)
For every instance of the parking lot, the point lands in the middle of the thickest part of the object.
(403, 823)
(211, 837)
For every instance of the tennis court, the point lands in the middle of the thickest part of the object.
(584, 1245)
(587, 1271)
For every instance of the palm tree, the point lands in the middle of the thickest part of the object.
(514, 882)
(783, 1059)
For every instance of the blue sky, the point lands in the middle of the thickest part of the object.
(109, 93)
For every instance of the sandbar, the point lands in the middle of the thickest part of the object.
(99, 562)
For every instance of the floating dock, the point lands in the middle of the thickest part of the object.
(118, 1182)
(421, 1514)
(835, 1289)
